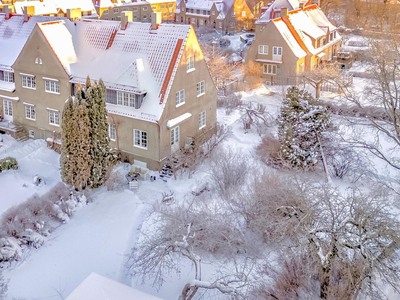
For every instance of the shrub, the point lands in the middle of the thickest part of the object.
(8, 163)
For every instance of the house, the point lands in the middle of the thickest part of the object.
(6, 4)
(225, 15)
(14, 33)
(166, 8)
(97, 287)
(159, 89)
(71, 9)
(297, 41)
(113, 9)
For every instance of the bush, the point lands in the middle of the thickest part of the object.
(8, 163)
(27, 224)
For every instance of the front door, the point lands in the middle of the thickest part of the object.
(7, 110)
(175, 139)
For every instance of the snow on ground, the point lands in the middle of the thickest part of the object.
(95, 240)
(34, 158)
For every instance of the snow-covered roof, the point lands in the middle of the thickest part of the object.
(117, 3)
(96, 287)
(46, 7)
(137, 59)
(14, 33)
(277, 5)
(223, 6)
(303, 24)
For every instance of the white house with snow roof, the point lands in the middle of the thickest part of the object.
(224, 15)
(297, 41)
(159, 90)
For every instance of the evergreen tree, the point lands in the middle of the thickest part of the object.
(67, 123)
(75, 158)
(99, 150)
(302, 122)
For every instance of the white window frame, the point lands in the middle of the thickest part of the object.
(52, 86)
(213, 12)
(174, 137)
(54, 117)
(193, 21)
(30, 113)
(144, 17)
(180, 98)
(263, 49)
(8, 76)
(105, 12)
(277, 51)
(243, 13)
(202, 119)
(190, 64)
(29, 82)
(270, 69)
(145, 8)
(140, 139)
(201, 88)
(112, 132)
(116, 10)
(220, 24)
(135, 9)
(125, 99)
(162, 6)
(201, 22)
(31, 133)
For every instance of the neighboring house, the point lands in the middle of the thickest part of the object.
(166, 8)
(295, 42)
(6, 4)
(71, 9)
(159, 90)
(14, 32)
(224, 15)
(113, 9)
(97, 287)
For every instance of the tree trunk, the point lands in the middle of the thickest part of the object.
(318, 87)
(188, 292)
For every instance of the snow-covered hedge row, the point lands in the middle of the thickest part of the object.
(8, 163)
(29, 223)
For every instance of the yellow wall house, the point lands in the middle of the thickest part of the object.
(166, 8)
(159, 90)
(297, 41)
(6, 5)
(113, 9)
(225, 15)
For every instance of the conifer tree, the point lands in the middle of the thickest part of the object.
(302, 122)
(67, 122)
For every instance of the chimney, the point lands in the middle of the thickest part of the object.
(284, 12)
(73, 14)
(301, 5)
(28, 11)
(126, 17)
(8, 12)
(155, 20)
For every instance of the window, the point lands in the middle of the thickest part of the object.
(202, 119)
(269, 69)
(112, 19)
(198, 11)
(154, 7)
(213, 13)
(145, 8)
(29, 82)
(193, 21)
(180, 98)
(243, 13)
(190, 64)
(125, 9)
(201, 88)
(144, 17)
(111, 132)
(233, 25)
(175, 135)
(233, 14)
(164, 14)
(204, 12)
(8, 76)
(116, 10)
(52, 86)
(170, 5)
(105, 11)
(220, 24)
(54, 117)
(162, 6)
(134, 18)
(277, 50)
(125, 99)
(262, 49)
(30, 112)
(31, 134)
(140, 139)
(135, 9)
(201, 22)
(329, 54)
(191, 10)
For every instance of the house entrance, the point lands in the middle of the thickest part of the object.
(7, 110)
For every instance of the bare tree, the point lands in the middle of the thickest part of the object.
(195, 231)
(252, 74)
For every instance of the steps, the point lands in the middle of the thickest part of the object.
(20, 133)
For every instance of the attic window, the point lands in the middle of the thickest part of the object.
(190, 64)
(38, 61)
(126, 99)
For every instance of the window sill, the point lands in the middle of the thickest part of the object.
(29, 88)
(140, 147)
(56, 125)
(202, 127)
(55, 93)
(112, 140)
(200, 95)
(30, 119)
(190, 70)
(180, 104)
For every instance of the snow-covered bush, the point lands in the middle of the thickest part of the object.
(8, 163)
(29, 223)
(302, 122)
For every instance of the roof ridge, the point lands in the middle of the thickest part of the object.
(295, 34)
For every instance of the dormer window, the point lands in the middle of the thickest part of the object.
(6, 76)
(126, 99)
